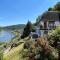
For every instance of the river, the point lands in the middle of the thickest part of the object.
(6, 36)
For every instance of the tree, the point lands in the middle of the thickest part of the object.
(37, 20)
(50, 9)
(27, 30)
(57, 7)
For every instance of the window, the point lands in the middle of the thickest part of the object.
(51, 25)
(41, 25)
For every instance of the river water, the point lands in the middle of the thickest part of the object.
(6, 36)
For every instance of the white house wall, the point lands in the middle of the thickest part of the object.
(57, 23)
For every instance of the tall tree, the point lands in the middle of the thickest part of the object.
(27, 30)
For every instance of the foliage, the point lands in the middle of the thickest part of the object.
(55, 8)
(39, 49)
(37, 20)
(1, 54)
(27, 30)
(24, 53)
(36, 51)
(54, 37)
(1, 43)
(26, 45)
(13, 54)
(14, 27)
(50, 9)
(14, 45)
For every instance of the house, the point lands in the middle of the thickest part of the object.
(48, 21)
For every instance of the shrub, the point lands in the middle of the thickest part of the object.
(14, 45)
(40, 50)
(26, 45)
(54, 37)
(43, 49)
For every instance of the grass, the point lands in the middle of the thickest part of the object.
(13, 54)
(1, 54)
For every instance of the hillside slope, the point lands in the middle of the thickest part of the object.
(13, 54)
(13, 27)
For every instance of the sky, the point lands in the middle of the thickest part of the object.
(14, 12)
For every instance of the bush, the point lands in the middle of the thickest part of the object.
(46, 51)
(54, 37)
(14, 45)
(39, 49)
(26, 45)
